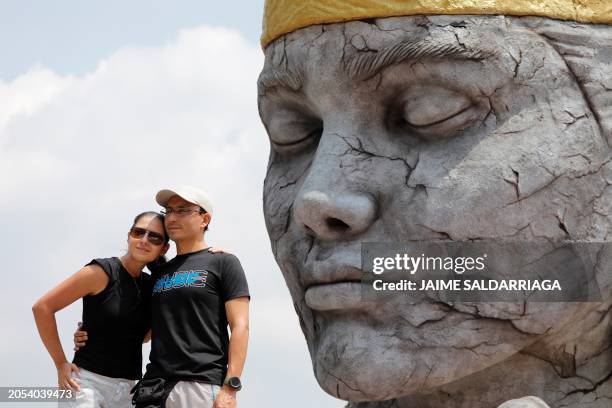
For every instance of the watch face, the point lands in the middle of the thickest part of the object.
(234, 382)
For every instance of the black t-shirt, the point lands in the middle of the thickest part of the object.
(116, 321)
(189, 325)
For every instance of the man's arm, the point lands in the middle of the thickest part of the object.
(237, 311)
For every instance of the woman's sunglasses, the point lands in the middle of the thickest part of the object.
(153, 237)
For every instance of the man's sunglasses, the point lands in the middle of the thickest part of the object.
(153, 237)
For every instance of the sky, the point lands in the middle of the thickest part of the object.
(102, 103)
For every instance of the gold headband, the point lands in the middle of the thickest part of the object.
(284, 16)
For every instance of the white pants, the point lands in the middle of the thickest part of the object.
(98, 391)
(187, 394)
(527, 402)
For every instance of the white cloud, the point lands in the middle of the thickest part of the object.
(29, 93)
(80, 156)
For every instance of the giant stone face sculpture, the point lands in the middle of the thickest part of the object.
(459, 128)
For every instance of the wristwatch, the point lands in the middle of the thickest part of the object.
(233, 382)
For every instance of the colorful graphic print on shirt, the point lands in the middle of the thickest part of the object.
(181, 279)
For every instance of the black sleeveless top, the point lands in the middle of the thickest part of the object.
(116, 321)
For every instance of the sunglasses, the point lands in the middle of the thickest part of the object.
(153, 237)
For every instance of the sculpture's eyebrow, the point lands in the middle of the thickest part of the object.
(277, 77)
(366, 65)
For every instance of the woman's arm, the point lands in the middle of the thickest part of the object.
(90, 280)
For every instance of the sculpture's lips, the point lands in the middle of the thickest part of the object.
(335, 296)
(333, 284)
(333, 270)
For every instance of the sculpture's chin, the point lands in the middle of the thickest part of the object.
(360, 362)
(375, 383)
(369, 375)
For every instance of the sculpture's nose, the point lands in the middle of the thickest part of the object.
(338, 199)
(328, 208)
(334, 215)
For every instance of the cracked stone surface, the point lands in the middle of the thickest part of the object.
(441, 128)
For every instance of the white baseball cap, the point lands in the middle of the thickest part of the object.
(188, 193)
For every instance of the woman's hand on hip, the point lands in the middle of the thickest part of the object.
(64, 376)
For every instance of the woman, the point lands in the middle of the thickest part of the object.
(116, 311)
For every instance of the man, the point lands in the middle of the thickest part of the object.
(387, 125)
(196, 296)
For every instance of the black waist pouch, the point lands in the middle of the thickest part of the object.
(152, 392)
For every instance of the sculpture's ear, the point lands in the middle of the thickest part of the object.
(587, 49)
